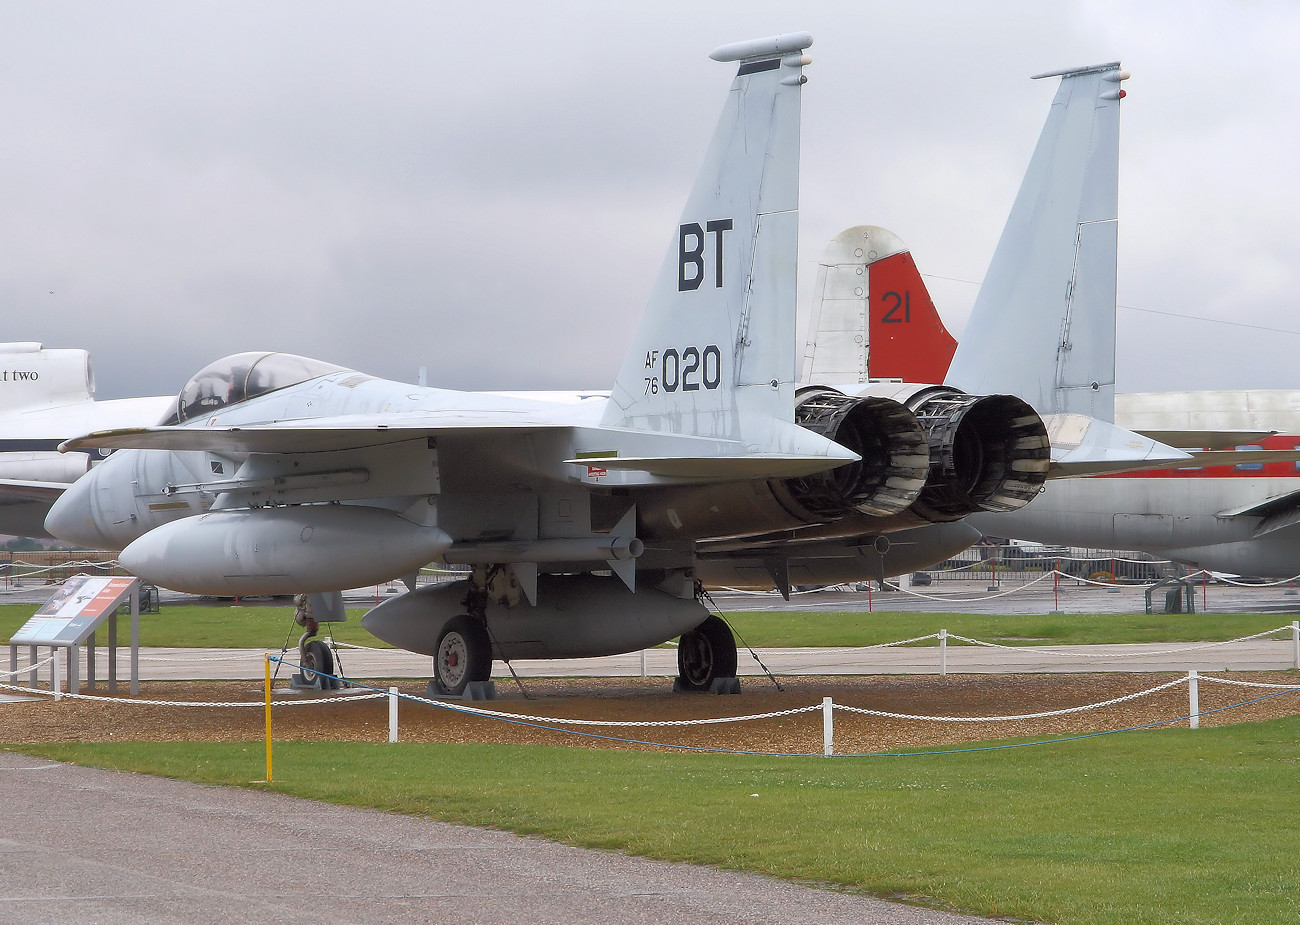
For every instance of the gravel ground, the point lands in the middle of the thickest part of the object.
(651, 699)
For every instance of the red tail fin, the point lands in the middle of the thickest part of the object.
(906, 337)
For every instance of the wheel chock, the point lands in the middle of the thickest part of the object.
(474, 690)
(725, 686)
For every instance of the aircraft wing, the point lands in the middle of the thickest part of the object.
(18, 491)
(1276, 513)
(1208, 458)
(1193, 440)
(312, 435)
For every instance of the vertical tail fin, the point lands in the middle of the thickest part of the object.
(1043, 324)
(34, 378)
(716, 344)
(872, 316)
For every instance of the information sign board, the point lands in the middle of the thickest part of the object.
(74, 611)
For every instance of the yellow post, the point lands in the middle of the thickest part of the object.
(268, 719)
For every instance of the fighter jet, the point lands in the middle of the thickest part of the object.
(46, 396)
(1235, 508)
(586, 522)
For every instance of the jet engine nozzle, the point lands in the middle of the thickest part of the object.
(987, 453)
(891, 473)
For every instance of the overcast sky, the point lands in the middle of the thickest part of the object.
(487, 189)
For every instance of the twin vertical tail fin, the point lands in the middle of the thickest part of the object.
(1043, 324)
(714, 355)
(872, 316)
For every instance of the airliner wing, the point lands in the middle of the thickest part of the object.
(1193, 440)
(18, 491)
(1276, 513)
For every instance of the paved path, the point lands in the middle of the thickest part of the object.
(1256, 655)
(83, 845)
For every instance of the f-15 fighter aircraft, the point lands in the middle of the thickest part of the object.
(279, 474)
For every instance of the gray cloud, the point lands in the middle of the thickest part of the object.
(488, 191)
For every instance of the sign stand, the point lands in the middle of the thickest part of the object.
(70, 619)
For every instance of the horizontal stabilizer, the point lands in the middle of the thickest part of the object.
(309, 436)
(17, 491)
(1082, 445)
(721, 467)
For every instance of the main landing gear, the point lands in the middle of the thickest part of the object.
(706, 658)
(463, 655)
(462, 658)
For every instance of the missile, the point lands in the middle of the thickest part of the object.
(284, 550)
(604, 547)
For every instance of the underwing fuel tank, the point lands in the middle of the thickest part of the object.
(286, 550)
(576, 616)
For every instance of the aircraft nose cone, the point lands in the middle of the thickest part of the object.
(72, 518)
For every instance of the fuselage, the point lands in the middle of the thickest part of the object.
(1198, 516)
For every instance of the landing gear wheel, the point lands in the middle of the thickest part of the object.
(463, 655)
(705, 653)
(317, 660)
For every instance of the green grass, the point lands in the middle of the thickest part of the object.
(1140, 827)
(217, 625)
(817, 628)
(226, 625)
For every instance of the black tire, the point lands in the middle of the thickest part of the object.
(317, 659)
(704, 654)
(463, 655)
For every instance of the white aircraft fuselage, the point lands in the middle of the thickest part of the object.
(1241, 519)
(46, 396)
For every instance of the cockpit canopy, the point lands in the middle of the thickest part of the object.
(237, 378)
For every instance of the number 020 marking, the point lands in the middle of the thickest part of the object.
(691, 368)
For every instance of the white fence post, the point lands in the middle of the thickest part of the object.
(943, 653)
(1295, 642)
(1194, 700)
(56, 674)
(828, 727)
(392, 714)
(643, 667)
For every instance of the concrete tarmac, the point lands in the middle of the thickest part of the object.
(85, 845)
(248, 664)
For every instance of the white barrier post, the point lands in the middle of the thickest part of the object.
(943, 653)
(56, 675)
(392, 714)
(828, 728)
(643, 669)
(1194, 701)
(1295, 642)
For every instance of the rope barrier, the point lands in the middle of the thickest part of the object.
(349, 698)
(1009, 718)
(1047, 650)
(32, 667)
(1282, 687)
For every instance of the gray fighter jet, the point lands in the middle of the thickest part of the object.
(587, 522)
